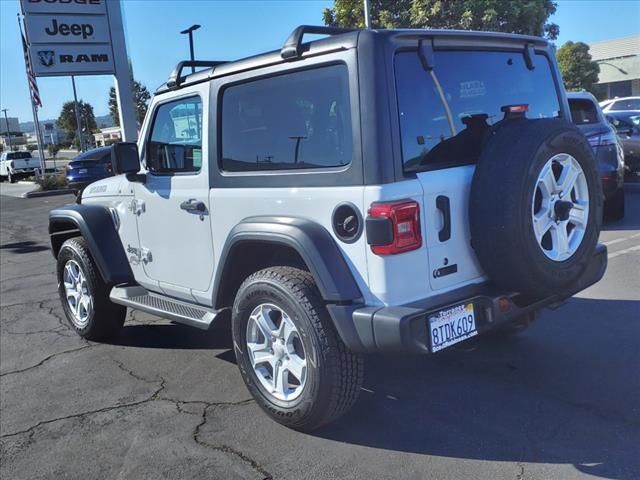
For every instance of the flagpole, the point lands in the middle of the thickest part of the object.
(36, 123)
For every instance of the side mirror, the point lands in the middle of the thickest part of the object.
(125, 158)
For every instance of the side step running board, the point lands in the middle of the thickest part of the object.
(140, 298)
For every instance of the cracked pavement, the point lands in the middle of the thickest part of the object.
(561, 400)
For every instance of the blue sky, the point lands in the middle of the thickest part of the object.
(233, 29)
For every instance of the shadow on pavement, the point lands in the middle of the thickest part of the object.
(564, 392)
(172, 336)
(24, 247)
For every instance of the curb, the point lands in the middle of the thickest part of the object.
(47, 193)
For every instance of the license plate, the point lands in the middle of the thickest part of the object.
(452, 325)
(82, 170)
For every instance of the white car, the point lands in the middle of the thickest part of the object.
(16, 165)
(373, 191)
(620, 104)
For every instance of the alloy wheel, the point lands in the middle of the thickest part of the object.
(276, 352)
(560, 207)
(78, 294)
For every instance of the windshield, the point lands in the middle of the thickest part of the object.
(445, 113)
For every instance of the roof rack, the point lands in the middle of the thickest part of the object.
(175, 80)
(293, 46)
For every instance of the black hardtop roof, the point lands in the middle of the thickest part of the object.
(338, 39)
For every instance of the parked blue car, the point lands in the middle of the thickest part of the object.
(89, 167)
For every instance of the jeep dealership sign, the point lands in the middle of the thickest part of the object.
(68, 37)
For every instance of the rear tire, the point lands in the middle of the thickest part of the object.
(333, 375)
(614, 207)
(84, 295)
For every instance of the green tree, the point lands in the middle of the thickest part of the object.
(31, 147)
(53, 149)
(579, 72)
(67, 119)
(512, 16)
(141, 97)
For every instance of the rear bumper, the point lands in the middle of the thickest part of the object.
(23, 172)
(405, 328)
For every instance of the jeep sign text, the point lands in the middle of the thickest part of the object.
(77, 29)
(80, 29)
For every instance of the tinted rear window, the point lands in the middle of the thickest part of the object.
(18, 155)
(445, 113)
(292, 121)
(583, 112)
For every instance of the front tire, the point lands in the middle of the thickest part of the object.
(614, 207)
(84, 295)
(289, 354)
(12, 178)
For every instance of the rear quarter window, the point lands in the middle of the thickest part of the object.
(445, 113)
(583, 112)
(297, 120)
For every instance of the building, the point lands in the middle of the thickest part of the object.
(107, 136)
(10, 124)
(10, 127)
(619, 61)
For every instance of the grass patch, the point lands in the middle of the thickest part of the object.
(52, 182)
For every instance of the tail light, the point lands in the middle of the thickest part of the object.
(108, 168)
(606, 139)
(394, 228)
(12, 165)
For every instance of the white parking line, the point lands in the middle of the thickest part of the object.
(620, 240)
(622, 252)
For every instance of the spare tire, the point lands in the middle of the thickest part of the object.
(535, 205)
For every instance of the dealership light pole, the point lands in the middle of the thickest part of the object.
(6, 123)
(190, 31)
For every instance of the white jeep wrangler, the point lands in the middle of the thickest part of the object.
(397, 190)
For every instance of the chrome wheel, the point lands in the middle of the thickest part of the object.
(79, 297)
(560, 207)
(276, 352)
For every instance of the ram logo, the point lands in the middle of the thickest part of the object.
(47, 57)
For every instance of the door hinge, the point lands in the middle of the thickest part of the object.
(137, 206)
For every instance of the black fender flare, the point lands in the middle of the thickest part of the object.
(96, 225)
(312, 241)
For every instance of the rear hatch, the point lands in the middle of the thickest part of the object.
(22, 160)
(92, 163)
(446, 111)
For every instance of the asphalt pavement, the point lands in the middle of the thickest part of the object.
(560, 401)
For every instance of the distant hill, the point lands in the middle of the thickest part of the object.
(103, 121)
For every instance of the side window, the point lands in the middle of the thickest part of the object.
(175, 144)
(583, 111)
(292, 121)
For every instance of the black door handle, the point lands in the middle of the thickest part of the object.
(442, 204)
(193, 205)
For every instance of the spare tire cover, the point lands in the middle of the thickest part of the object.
(535, 205)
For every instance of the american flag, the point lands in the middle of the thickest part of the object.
(33, 84)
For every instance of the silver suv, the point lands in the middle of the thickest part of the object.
(396, 190)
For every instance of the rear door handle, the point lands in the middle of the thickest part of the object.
(193, 205)
(442, 204)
